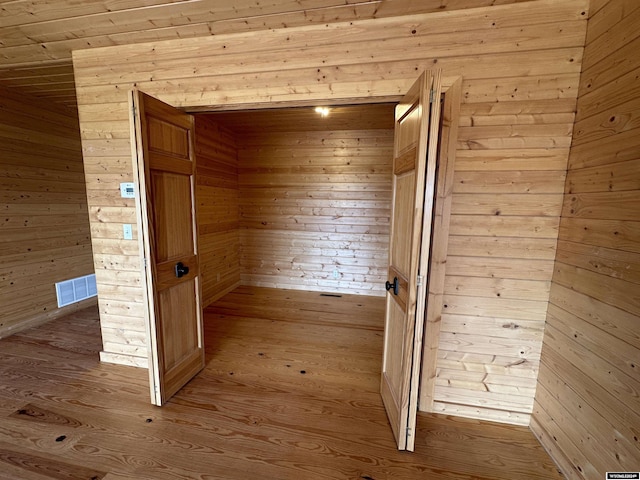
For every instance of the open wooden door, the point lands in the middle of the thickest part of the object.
(166, 174)
(414, 165)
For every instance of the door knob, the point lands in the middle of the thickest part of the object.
(394, 285)
(181, 269)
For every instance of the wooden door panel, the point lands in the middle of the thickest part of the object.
(166, 172)
(396, 326)
(391, 385)
(172, 214)
(407, 127)
(405, 190)
(167, 137)
(176, 302)
(413, 171)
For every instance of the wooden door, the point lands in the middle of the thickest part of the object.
(166, 173)
(414, 165)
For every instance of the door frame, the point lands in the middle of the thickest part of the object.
(451, 92)
(437, 254)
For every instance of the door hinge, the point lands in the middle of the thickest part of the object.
(419, 280)
(409, 431)
(144, 262)
(432, 95)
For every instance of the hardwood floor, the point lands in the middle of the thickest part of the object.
(290, 391)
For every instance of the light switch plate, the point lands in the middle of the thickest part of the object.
(127, 231)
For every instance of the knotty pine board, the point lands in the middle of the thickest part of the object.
(586, 405)
(623, 265)
(44, 230)
(217, 207)
(334, 182)
(39, 38)
(614, 177)
(501, 158)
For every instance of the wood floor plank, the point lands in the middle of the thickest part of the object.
(23, 462)
(289, 391)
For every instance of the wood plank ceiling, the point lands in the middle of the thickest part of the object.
(38, 36)
(306, 119)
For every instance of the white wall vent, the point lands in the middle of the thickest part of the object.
(76, 289)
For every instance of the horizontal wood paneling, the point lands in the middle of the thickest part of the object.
(507, 197)
(217, 207)
(335, 185)
(520, 65)
(38, 37)
(44, 230)
(504, 225)
(586, 405)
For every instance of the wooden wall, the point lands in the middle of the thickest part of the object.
(44, 229)
(39, 36)
(587, 410)
(520, 65)
(217, 199)
(315, 203)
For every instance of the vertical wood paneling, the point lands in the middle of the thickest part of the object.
(217, 198)
(586, 405)
(520, 65)
(314, 210)
(44, 229)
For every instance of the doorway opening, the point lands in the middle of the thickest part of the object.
(298, 202)
(308, 197)
(295, 178)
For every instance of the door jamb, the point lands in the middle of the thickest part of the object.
(439, 242)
